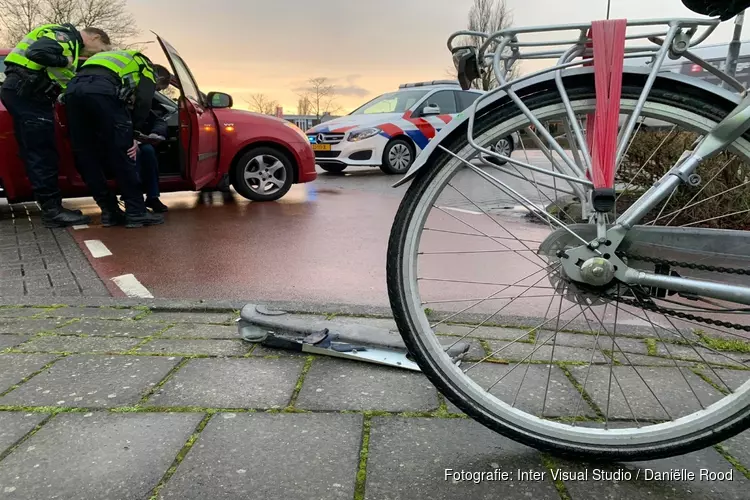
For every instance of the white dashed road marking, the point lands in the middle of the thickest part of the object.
(82, 226)
(97, 249)
(130, 285)
(462, 210)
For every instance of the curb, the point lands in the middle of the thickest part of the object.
(183, 305)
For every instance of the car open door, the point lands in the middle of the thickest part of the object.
(199, 136)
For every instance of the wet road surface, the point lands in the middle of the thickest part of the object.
(326, 247)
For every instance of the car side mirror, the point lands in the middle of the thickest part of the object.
(219, 100)
(431, 109)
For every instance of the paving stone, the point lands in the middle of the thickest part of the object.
(518, 352)
(16, 367)
(68, 344)
(113, 328)
(91, 313)
(603, 341)
(231, 383)
(92, 381)
(96, 456)
(703, 355)
(12, 340)
(643, 484)
(346, 385)
(562, 398)
(19, 312)
(16, 424)
(282, 456)
(739, 447)
(189, 317)
(483, 332)
(189, 347)
(667, 384)
(410, 458)
(724, 378)
(198, 330)
(629, 359)
(31, 326)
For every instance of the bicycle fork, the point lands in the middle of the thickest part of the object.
(580, 261)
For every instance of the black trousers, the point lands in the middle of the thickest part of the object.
(34, 127)
(101, 132)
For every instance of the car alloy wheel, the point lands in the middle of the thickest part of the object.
(265, 174)
(503, 147)
(399, 157)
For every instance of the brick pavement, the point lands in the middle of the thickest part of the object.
(126, 403)
(40, 262)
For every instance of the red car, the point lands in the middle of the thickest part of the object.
(210, 146)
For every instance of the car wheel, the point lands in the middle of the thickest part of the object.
(397, 157)
(334, 169)
(504, 147)
(263, 174)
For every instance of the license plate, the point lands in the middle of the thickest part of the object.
(321, 147)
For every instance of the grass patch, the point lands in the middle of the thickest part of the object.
(532, 336)
(651, 347)
(428, 311)
(364, 450)
(735, 463)
(330, 316)
(180, 457)
(725, 344)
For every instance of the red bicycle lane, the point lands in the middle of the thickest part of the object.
(330, 249)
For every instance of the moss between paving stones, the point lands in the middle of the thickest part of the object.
(364, 451)
(180, 457)
(552, 465)
(735, 463)
(29, 377)
(300, 381)
(651, 347)
(24, 438)
(582, 390)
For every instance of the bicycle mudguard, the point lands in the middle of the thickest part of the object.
(277, 329)
(459, 124)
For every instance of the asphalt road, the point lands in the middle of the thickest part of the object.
(324, 242)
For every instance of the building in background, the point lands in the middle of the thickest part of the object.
(305, 122)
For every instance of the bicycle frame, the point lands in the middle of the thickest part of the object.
(675, 41)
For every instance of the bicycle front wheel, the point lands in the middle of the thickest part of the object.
(631, 374)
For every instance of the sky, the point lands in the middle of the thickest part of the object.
(273, 47)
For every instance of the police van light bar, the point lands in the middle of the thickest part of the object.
(428, 84)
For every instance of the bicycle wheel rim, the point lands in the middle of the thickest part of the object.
(724, 413)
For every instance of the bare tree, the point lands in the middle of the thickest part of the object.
(260, 103)
(319, 97)
(487, 16)
(18, 17)
(303, 105)
(21, 16)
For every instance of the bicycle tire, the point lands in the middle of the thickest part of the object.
(668, 92)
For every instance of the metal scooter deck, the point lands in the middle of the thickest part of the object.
(277, 329)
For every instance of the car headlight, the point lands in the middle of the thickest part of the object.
(297, 129)
(362, 134)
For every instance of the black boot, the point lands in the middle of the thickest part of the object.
(144, 219)
(156, 205)
(54, 215)
(71, 211)
(112, 214)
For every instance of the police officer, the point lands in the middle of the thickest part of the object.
(107, 101)
(37, 69)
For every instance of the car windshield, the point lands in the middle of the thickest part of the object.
(393, 102)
